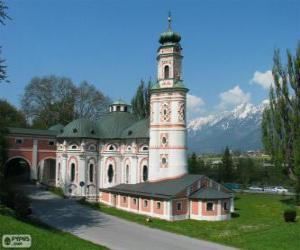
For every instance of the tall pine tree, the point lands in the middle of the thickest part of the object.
(141, 101)
(226, 171)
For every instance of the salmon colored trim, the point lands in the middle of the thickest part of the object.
(168, 126)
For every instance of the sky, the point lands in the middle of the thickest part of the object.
(227, 45)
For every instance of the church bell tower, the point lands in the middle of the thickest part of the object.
(168, 149)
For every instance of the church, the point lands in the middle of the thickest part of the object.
(136, 165)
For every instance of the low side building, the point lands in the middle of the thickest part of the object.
(188, 197)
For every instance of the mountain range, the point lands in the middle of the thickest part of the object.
(239, 129)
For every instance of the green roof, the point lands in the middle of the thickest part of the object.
(209, 194)
(120, 102)
(139, 129)
(166, 189)
(169, 37)
(58, 127)
(82, 127)
(178, 85)
(113, 124)
(31, 131)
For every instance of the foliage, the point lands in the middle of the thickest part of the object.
(290, 214)
(22, 205)
(280, 125)
(50, 100)
(245, 170)
(196, 165)
(3, 17)
(90, 103)
(226, 167)
(10, 116)
(57, 190)
(141, 101)
(259, 225)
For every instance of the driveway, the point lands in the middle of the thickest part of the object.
(112, 232)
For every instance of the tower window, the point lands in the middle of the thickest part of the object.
(110, 173)
(167, 71)
(145, 173)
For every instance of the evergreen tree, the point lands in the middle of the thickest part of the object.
(280, 125)
(192, 164)
(226, 168)
(141, 101)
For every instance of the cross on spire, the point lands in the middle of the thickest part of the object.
(169, 20)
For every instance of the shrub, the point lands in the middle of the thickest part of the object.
(57, 190)
(290, 214)
(22, 206)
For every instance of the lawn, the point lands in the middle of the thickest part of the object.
(259, 224)
(43, 237)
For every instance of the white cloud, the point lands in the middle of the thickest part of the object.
(194, 105)
(233, 97)
(264, 79)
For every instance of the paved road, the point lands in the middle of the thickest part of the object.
(100, 228)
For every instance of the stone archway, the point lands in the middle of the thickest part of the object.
(17, 169)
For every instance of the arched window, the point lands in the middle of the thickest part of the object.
(72, 172)
(91, 172)
(58, 174)
(111, 148)
(110, 173)
(145, 173)
(127, 174)
(167, 72)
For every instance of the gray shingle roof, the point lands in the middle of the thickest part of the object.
(162, 189)
(209, 194)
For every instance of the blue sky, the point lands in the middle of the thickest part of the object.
(112, 44)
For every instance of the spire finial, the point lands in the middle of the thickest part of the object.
(169, 20)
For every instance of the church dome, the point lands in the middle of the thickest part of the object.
(113, 124)
(82, 128)
(169, 37)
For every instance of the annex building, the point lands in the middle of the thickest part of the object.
(135, 165)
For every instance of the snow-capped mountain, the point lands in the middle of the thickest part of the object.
(240, 129)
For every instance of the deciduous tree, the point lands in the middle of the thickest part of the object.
(281, 120)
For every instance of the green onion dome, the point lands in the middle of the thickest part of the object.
(169, 37)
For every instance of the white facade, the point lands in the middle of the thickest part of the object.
(111, 162)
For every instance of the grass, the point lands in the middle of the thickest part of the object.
(56, 190)
(259, 224)
(43, 236)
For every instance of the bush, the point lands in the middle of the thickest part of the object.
(56, 190)
(22, 206)
(290, 214)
